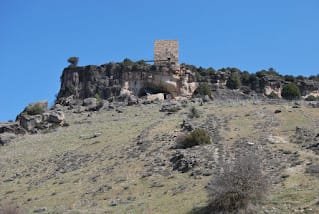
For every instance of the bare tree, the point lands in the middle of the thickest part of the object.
(239, 187)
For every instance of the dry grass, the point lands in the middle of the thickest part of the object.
(29, 162)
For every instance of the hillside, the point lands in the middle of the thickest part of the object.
(99, 150)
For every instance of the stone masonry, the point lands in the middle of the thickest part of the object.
(166, 50)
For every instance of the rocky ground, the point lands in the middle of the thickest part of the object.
(124, 159)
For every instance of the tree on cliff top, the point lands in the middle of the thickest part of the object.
(73, 60)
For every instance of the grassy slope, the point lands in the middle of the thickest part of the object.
(31, 162)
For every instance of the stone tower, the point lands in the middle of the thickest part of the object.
(165, 51)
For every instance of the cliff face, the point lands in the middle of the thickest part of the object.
(116, 79)
(138, 78)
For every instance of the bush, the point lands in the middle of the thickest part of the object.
(203, 89)
(37, 108)
(196, 137)
(290, 92)
(73, 60)
(234, 81)
(240, 185)
(311, 98)
(273, 95)
(194, 113)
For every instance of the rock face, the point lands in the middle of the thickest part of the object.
(121, 80)
(115, 79)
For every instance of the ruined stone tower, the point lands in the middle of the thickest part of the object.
(166, 51)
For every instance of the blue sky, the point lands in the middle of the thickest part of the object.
(37, 36)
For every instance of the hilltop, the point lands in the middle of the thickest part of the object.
(111, 142)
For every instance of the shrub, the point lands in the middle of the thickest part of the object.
(311, 98)
(203, 89)
(234, 81)
(37, 108)
(194, 113)
(73, 60)
(273, 95)
(240, 185)
(290, 92)
(196, 137)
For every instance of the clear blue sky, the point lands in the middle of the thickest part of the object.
(37, 36)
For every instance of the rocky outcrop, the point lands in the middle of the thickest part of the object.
(118, 79)
(138, 79)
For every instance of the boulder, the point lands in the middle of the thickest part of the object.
(182, 163)
(171, 107)
(12, 127)
(155, 97)
(6, 138)
(56, 117)
(92, 104)
(132, 100)
(30, 122)
(314, 104)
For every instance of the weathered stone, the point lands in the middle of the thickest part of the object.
(56, 117)
(6, 138)
(30, 122)
(171, 107)
(132, 100)
(12, 127)
(92, 104)
(155, 97)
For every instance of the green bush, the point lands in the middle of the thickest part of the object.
(290, 92)
(234, 81)
(203, 89)
(73, 60)
(196, 137)
(34, 109)
(194, 113)
(311, 98)
(273, 95)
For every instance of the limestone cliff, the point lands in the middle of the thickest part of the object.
(119, 79)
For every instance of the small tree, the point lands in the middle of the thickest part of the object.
(234, 81)
(203, 89)
(73, 61)
(240, 184)
(196, 137)
(290, 92)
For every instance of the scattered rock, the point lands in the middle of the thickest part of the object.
(155, 97)
(277, 111)
(171, 107)
(92, 104)
(56, 117)
(313, 169)
(182, 164)
(6, 138)
(132, 100)
(40, 210)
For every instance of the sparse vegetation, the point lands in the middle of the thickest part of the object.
(73, 60)
(194, 113)
(196, 137)
(203, 89)
(34, 109)
(273, 95)
(290, 92)
(240, 185)
(311, 98)
(234, 81)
